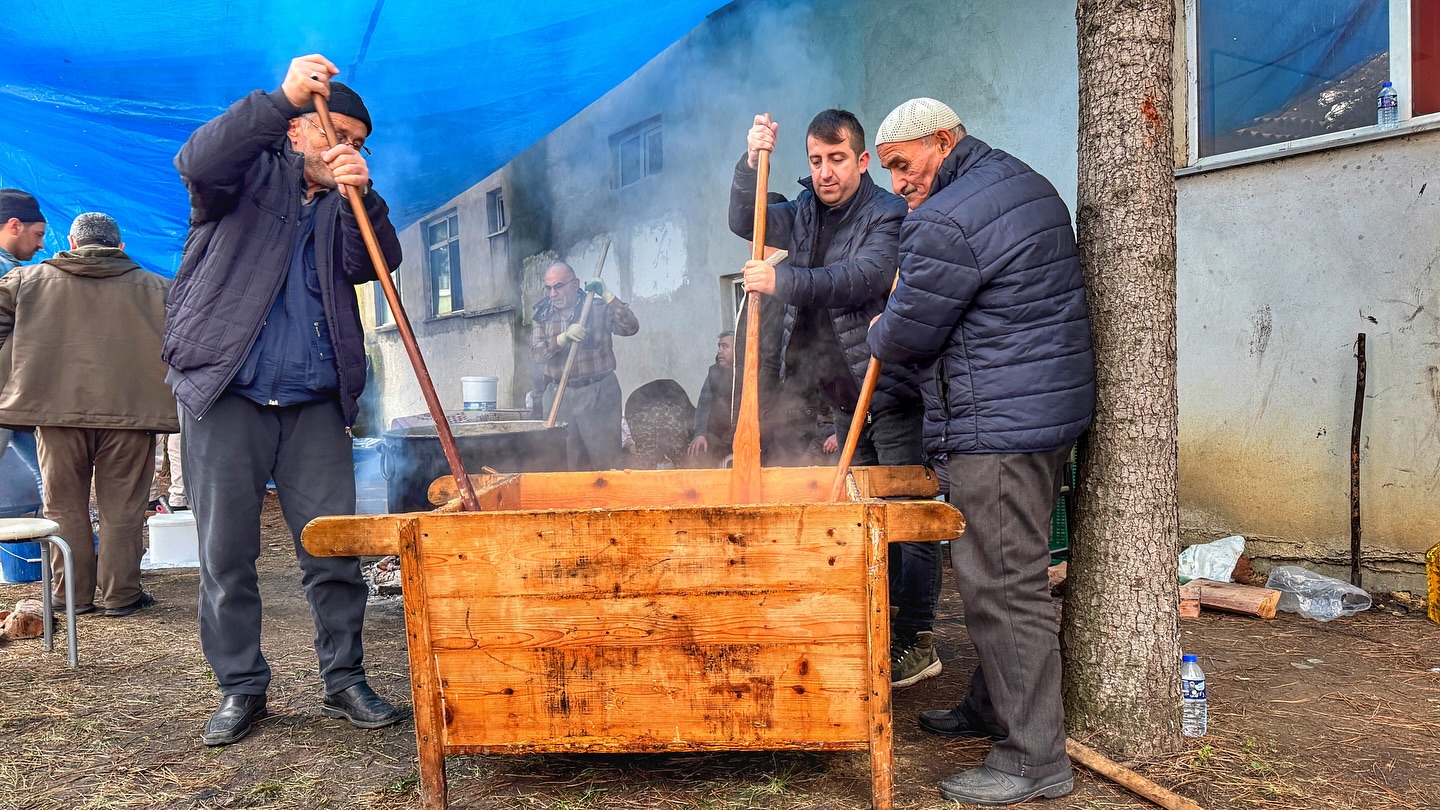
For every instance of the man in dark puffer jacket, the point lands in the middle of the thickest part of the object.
(267, 358)
(992, 300)
(842, 233)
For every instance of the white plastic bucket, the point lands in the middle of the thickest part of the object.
(480, 393)
(173, 539)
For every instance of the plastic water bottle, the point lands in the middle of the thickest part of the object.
(1194, 717)
(1387, 108)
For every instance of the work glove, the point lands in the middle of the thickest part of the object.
(597, 286)
(574, 333)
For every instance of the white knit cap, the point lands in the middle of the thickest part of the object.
(915, 119)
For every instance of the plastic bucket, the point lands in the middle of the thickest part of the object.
(20, 562)
(174, 539)
(480, 393)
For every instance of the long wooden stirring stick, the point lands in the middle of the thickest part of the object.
(862, 408)
(745, 475)
(575, 347)
(402, 324)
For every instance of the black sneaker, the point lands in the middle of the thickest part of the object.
(145, 601)
(80, 610)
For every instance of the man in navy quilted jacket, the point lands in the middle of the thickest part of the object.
(991, 304)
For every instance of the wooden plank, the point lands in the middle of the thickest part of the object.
(881, 723)
(920, 521)
(614, 489)
(634, 551)
(354, 535)
(494, 492)
(1235, 598)
(658, 698)
(491, 623)
(1190, 600)
(425, 682)
(896, 482)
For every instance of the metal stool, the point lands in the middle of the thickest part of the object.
(39, 530)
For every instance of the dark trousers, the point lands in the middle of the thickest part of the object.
(1000, 567)
(229, 456)
(591, 412)
(121, 464)
(893, 437)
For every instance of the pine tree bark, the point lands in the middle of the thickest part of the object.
(1121, 625)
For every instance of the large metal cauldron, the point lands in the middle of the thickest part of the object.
(411, 458)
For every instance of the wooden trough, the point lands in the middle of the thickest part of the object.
(643, 612)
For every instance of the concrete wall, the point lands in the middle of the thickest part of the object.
(1281, 264)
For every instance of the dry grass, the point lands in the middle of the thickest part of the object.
(1360, 729)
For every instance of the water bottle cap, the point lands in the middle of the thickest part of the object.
(1387, 84)
(1189, 659)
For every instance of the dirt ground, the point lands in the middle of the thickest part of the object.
(1302, 715)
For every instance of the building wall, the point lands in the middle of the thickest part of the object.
(1281, 264)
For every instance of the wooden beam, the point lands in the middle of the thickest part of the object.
(882, 725)
(354, 535)
(424, 677)
(613, 489)
(1235, 598)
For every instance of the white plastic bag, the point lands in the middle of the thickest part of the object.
(1316, 596)
(1214, 561)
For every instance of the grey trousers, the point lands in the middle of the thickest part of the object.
(591, 410)
(118, 461)
(1000, 567)
(229, 456)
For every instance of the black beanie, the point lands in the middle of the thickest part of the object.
(16, 204)
(345, 101)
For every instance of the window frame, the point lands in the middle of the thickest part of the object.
(384, 316)
(452, 244)
(641, 132)
(1400, 76)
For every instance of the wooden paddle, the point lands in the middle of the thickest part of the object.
(862, 408)
(402, 324)
(745, 473)
(575, 347)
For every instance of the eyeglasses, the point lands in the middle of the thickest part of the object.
(340, 137)
(549, 288)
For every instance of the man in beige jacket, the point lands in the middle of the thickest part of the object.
(80, 360)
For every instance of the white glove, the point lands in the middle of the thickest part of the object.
(574, 333)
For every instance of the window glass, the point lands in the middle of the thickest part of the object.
(1271, 72)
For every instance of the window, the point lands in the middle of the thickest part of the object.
(499, 237)
(442, 240)
(637, 152)
(383, 315)
(1266, 73)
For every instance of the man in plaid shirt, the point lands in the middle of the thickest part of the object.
(591, 406)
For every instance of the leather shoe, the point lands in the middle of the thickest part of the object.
(145, 600)
(987, 787)
(80, 610)
(361, 706)
(953, 723)
(230, 722)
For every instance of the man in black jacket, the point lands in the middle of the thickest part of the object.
(267, 359)
(843, 233)
(991, 301)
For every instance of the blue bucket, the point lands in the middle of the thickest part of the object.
(20, 562)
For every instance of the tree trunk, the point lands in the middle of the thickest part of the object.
(1121, 626)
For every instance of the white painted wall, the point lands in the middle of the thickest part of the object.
(1281, 264)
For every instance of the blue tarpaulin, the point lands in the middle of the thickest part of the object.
(96, 96)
